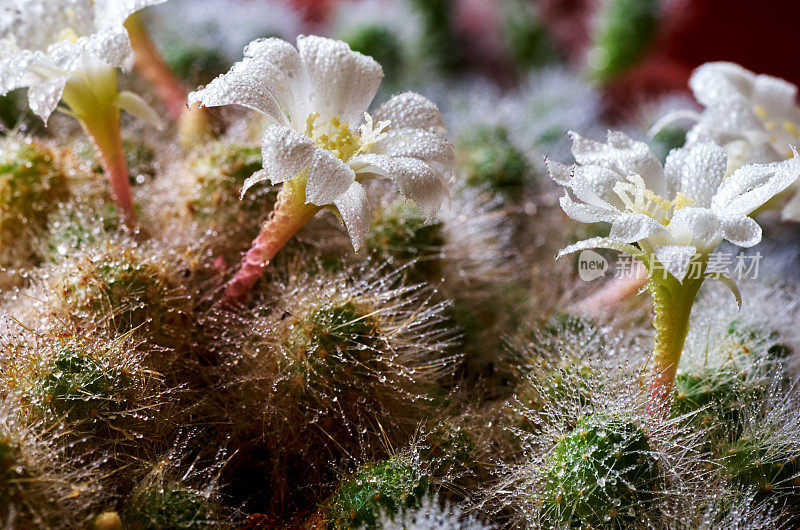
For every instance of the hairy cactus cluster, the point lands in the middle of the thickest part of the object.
(257, 278)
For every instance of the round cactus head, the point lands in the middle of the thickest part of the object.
(32, 183)
(331, 331)
(169, 505)
(130, 291)
(215, 180)
(387, 488)
(378, 42)
(492, 160)
(79, 386)
(599, 474)
(400, 234)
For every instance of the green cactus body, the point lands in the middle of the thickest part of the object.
(400, 234)
(32, 183)
(625, 30)
(195, 65)
(216, 180)
(749, 463)
(317, 341)
(169, 505)
(378, 42)
(492, 161)
(388, 488)
(599, 474)
(79, 387)
(527, 38)
(133, 293)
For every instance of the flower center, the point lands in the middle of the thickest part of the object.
(637, 198)
(780, 136)
(336, 136)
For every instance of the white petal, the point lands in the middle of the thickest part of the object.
(559, 172)
(328, 178)
(134, 105)
(728, 282)
(595, 185)
(697, 171)
(699, 227)
(718, 82)
(417, 143)
(754, 184)
(774, 92)
(353, 206)
(411, 111)
(344, 81)
(44, 95)
(742, 231)
(672, 117)
(270, 79)
(674, 258)
(791, 212)
(622, 155)
(256, 178)
(600, 242)
(415, 179)
(285, 152)
(585, 213)
(632, 227)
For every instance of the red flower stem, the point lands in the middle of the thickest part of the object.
(289, 215)
(151, 66)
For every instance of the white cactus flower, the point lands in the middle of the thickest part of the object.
(679, 210)
(46, 44)
(313, 96)
(754, 116)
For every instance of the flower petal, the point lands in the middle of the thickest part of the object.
(270, 79)
(622, 155)
(717, 83)
(632, 227)
(256, 178)
(415, 179)
(328, 178)
(285, 152)
(752, 185)
(560, 173)
(696, 170)
(585, 213)
(601, 242)
(742, 231)
(417, 143)
(699, 227)
(44, 95)
(791, 212)
(410, 110)
(595, 185)
(675, 259)
(344, 81)
(134, 105)
(353, 206)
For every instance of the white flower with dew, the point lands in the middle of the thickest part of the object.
(311, 95)
(754, 116)
(672, 212)
(46, 44)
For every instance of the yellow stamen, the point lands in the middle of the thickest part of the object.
(68, 34)
(791, 128)
(760, 111)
